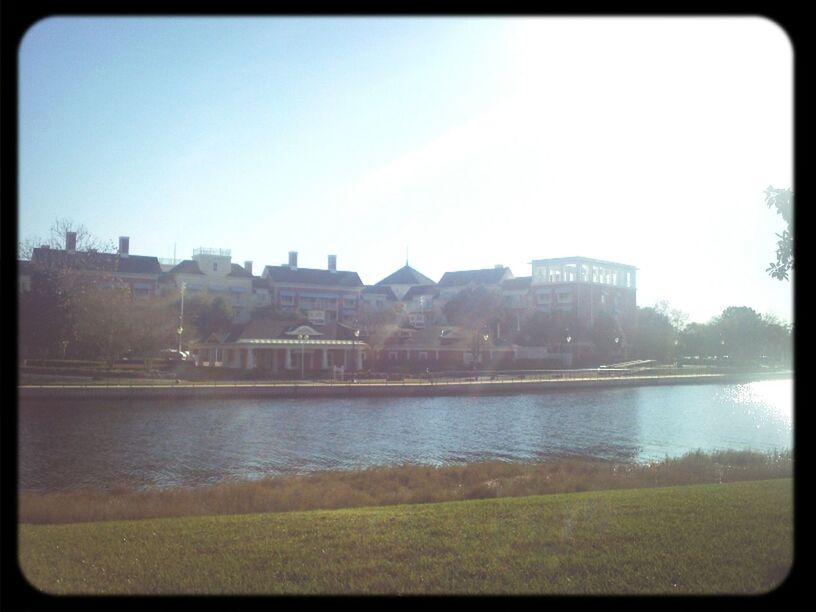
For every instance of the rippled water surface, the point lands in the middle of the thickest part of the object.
(150, 443)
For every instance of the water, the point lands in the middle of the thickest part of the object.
(149, 443)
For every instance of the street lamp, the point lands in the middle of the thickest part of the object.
(354, 345)
(180, 329)
(302, 338)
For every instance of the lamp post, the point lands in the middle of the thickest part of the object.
(180, 329)
(568, 340)
(302, 338)
(354, 346)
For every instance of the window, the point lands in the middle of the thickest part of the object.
(215, 266)
(317, 316)
(392, 356)
(423, 356)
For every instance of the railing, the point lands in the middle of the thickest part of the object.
(209, 251)
(415, 381)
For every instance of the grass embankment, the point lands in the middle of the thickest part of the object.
(701, 539)
(400, 485)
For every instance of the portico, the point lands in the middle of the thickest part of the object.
(303, 348)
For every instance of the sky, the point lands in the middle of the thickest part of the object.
(455, 143)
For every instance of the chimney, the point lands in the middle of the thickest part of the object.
(293, 260)
(124, 246)
(332, 263)
(70, 242)
(248, 267)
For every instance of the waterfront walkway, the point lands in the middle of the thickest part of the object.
(476, 385)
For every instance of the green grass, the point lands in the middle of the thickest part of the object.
(700, 539)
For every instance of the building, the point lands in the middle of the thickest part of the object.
(280, 347)
(421, 305)
(139, 273)
(440, 347)
(211, 272)
(452, 283)
(377, 300)
(584, 288)
(404, 279)
(324, 296)
(516, 300)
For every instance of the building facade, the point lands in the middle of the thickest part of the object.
(324, 296)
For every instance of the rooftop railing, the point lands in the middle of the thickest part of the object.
(209, 251)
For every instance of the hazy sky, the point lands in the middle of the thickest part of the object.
(470, 141)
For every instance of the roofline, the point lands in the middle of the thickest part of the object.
(579, 259)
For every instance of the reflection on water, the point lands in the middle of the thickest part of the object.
(153, 443)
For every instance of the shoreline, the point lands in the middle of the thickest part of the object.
(410, 388)
(396, 485)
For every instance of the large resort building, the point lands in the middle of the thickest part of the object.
(290, 319)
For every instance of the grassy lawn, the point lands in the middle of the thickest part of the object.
(709, 539)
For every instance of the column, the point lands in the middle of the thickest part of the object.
(250, 358)
(288, 362)
(359, 359)
(324, 362)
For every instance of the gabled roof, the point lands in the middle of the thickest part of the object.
(273, 329)
(236, 270)
(312, 276)
(260, 283)
(384, 291)
(522, 283)
(488, 276)
(406, 276)
(95, 261)
(188, 266)
(420, 290)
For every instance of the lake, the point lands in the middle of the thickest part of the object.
(161, 443)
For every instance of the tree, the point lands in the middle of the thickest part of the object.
(606, 335)
(85, 241)
(45, 315)
(101, 322)
(740, 330)
(776, 340)
(377, 326)
(654, 334)
(207, 315)
(474, 308)
(699, 340)
(539, 329)
(782, 201)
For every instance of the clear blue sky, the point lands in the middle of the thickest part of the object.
(471, 141)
